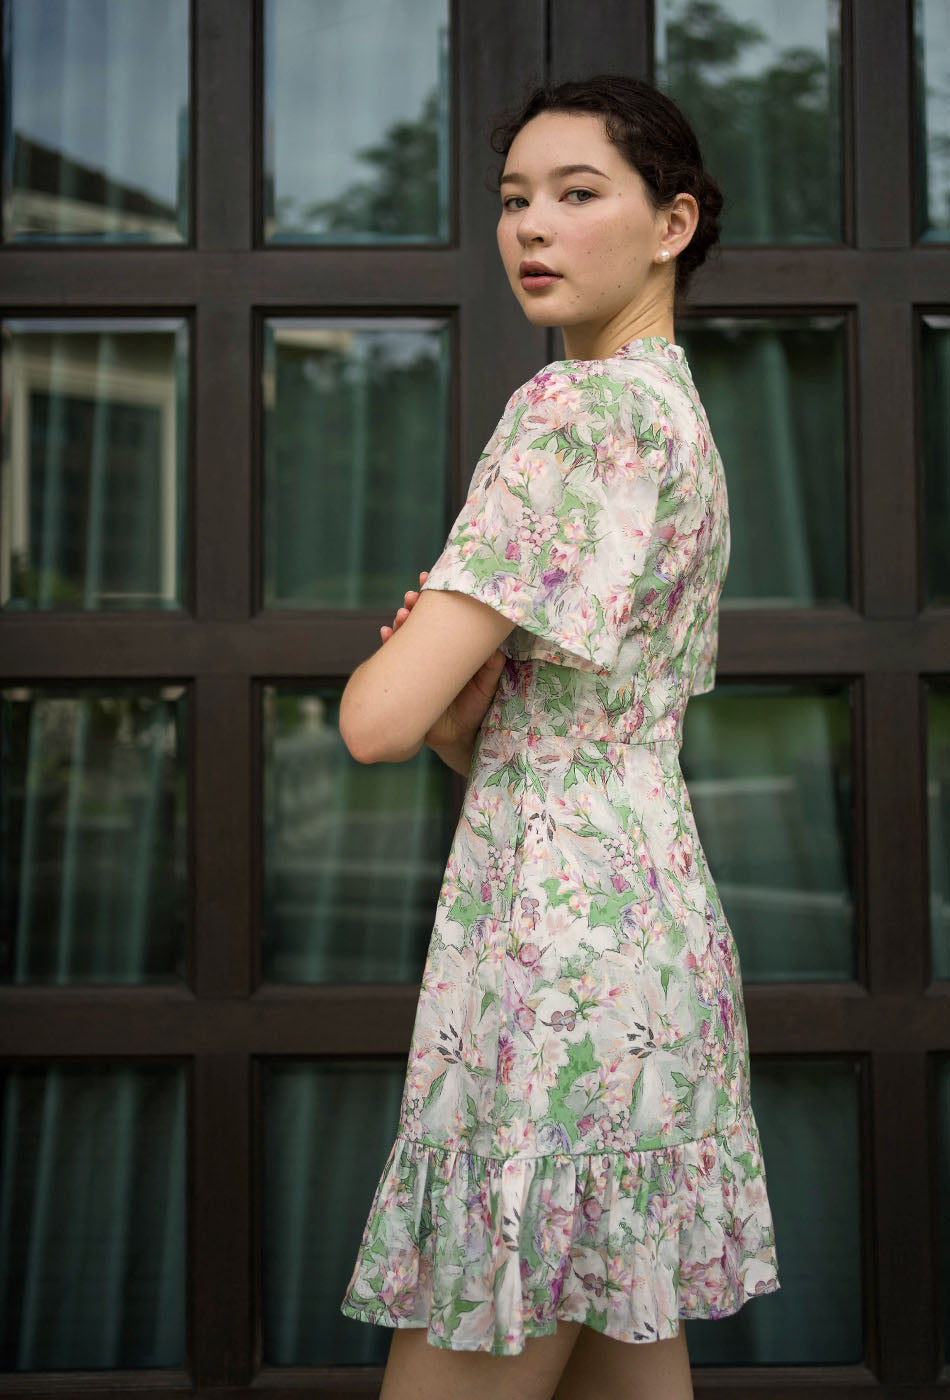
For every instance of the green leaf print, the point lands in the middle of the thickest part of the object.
(433, 1089)
(487, 1000)
(748, 1161)
(556, 892)
(581, 1059)
(608, 911)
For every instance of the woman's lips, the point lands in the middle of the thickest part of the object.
(535, 281)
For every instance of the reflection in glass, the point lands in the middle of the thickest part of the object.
(935, 448)
(808, 1117)
(942, 1167)
(768, 769)
(92, 1216)
(94, 463)
(328, 1128)
(96, 116)
(93, 811)
(353, 854)
(775, 392)
(356, 121)
(938, 823)
(355, 459)
(760, 81)
(932, 92)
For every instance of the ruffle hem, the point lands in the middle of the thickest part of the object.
(486, 1252)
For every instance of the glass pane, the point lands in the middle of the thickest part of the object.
(935, 444)
(93, 800)
(768, 768)
(355, 459)
(932, 91)
(315, 1203)
(942, 1078)
(354, 854)
(94, 463)
(356, 121)
(938, 824)
(808, 1117)
(92, 1217)
(96, 113)
(775, 393)
(760, 81)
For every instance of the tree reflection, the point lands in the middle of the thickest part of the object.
(772, 137)
(401, 196)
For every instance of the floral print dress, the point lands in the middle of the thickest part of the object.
(576, 1139)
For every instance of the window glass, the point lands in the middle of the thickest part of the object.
(932, 91)
(935, 448)
(356, 467)
(769, 773)
(938, 824)
(356, 121)
(96, 110)
(93, 879)
(808, 1118)
(92, 1216)
(774, 390)
(760, 82)
(353, 853)
(328, 1128)
(94, 464)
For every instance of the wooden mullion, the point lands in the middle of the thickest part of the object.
(618, 40)
(881, 55)
(223, 123)
(220, 1221)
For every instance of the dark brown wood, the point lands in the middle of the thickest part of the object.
(615, 36)
(224, 106)
(904, 1242)
(881, 53)
(220, 1219)
(221, 826)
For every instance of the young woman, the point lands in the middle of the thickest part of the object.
(577, 1165)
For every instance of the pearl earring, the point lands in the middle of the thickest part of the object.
(664, 254)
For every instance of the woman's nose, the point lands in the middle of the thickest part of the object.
(532, 227)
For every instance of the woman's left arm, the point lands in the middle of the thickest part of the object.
(393, 699)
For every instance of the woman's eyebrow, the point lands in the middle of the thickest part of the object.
(559, 171)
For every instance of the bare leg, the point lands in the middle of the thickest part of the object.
(603, 1368)
(416, 1370)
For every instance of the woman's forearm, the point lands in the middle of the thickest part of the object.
(458, 756)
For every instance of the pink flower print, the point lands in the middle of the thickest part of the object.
(681, 854)
(512, 551)
(585, 1124)
(529, 954)
(525, 1018)
(593, 1210)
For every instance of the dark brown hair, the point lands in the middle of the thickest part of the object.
(652, 135)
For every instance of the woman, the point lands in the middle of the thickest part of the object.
(577, 1164)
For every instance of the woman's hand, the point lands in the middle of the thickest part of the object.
(458, 724)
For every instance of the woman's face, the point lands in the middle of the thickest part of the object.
(593, 227)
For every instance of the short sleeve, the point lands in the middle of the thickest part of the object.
(559, 517)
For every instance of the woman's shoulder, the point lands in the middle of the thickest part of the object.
(610, 391)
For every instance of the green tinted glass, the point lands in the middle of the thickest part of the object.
(93, 878)
(328, 1128)
(774, 390)
(355, 459)
(356, 121)
(769, 772)
(353, 853)
(935, 448)
(94, 464)
(760, 81)
(938, 824)
(932, 93)
(97, 101)
(807, 1111)
(92, 1216)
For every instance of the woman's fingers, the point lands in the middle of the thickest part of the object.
(411, 596)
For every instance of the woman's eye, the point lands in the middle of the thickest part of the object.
(584, 195)
(510, 202)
